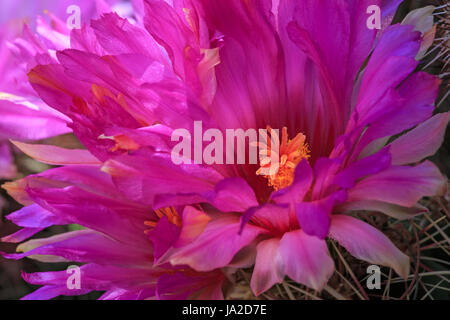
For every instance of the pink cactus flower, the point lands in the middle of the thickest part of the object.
(339, 93)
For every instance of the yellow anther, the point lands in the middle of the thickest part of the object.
(291, 152)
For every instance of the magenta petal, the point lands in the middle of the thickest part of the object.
(50, 292)
(363, 167)
(272, 216)
(124, 294)
(165, 25)
(244, 65)
(232, 195)
(20, 121)
(324, 171)
(401, 185)
(314, 216)
(97, 277)
(306, 259)
(342, 40)
(77, 246)
(34, 216)
(85, 39)
(419, 92)
(179, 199)
(229, 195)
(396, 41)
(117, 36)
(163, 237)
(391, 62)
(217, 245)
(367, 243)
(303, 177)
(21, 235)
(141, 178)
(388, 9)
(109, 219)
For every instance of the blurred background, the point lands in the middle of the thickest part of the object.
(431, 279)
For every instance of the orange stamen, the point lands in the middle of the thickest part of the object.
(169, 212)
(290, 153)
(124, 143)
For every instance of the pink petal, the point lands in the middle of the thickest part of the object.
(232, 195)
(163, 237)
(194, 222)
(22, 121)
(390, 209)
(217, 245)
(367, 243)
(77, 246)
(244, 65)
(96, 277)
(306, 259)
(57, 156)
(277, 218)
(117, 36)
(401, 185)
(141, 178)
(269, 266)
(421, 142)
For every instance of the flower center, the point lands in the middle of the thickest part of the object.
(290, 153)
(169, 212)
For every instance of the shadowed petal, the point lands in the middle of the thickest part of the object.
(50, 292)
(277, 218)
(390, 209)
(77, 246)
(269, 267)
(21, 235)
(7, 167)
(207, 286)
(367, 243)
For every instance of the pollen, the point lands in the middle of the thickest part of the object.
(170, 213)
(280, 173)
